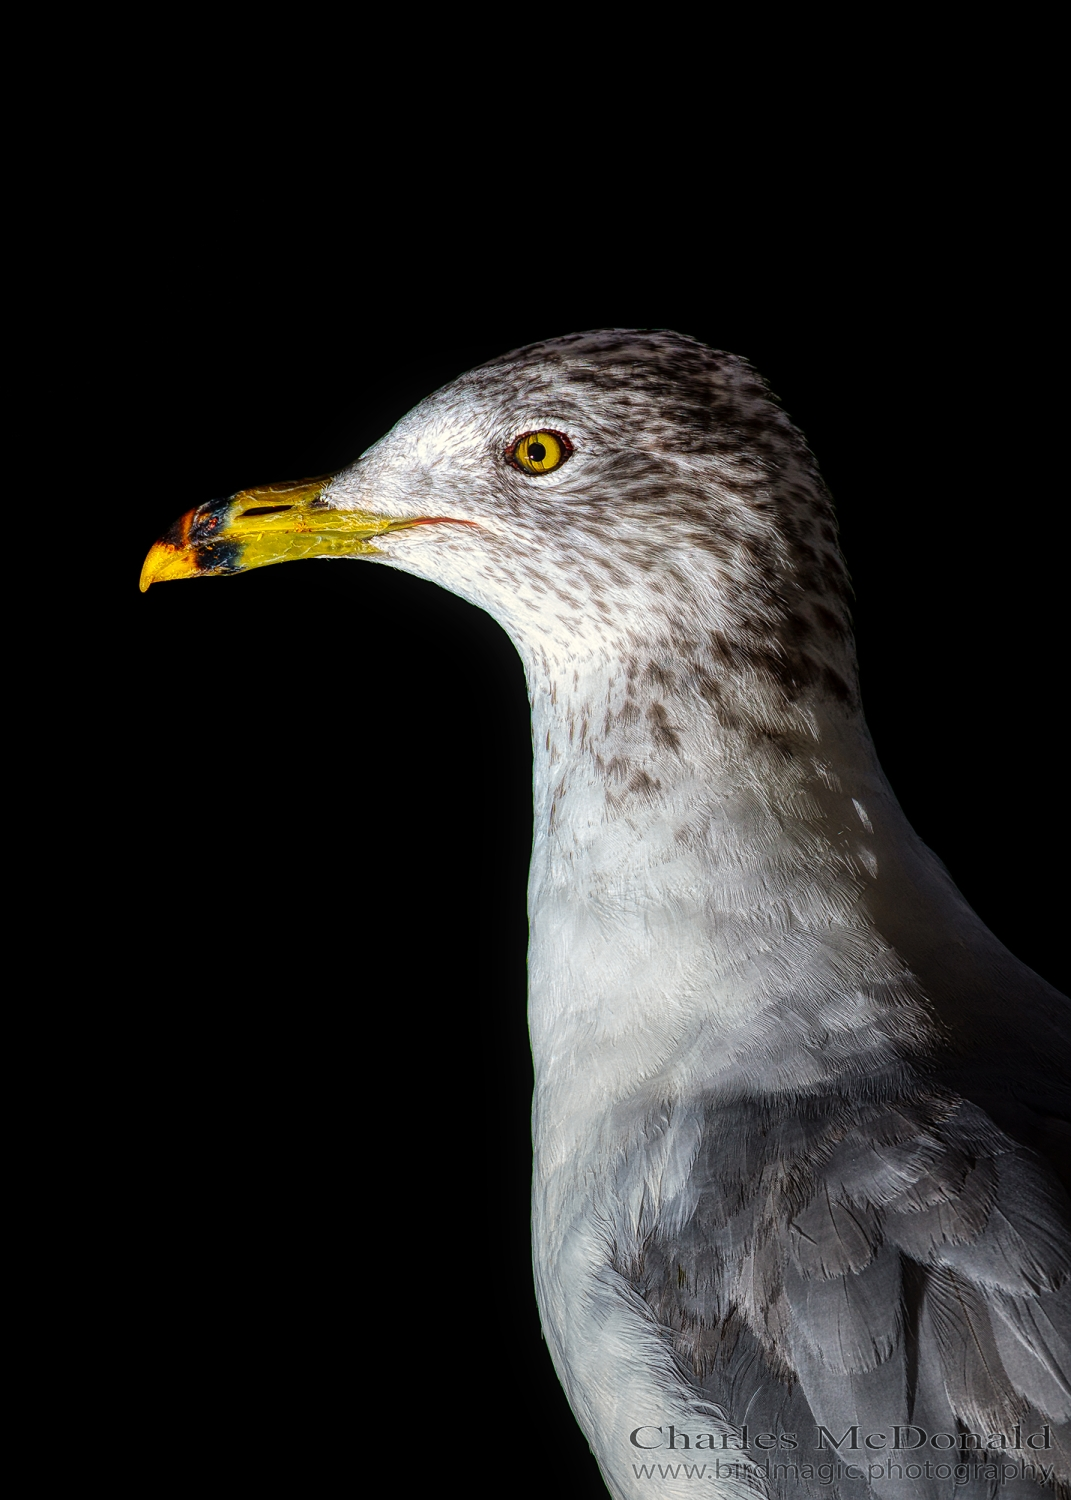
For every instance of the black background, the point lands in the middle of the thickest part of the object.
(301, 823)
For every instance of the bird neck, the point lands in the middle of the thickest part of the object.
(688, 855)
(635, 770)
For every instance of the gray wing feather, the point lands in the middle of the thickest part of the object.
(873, 1261)
(1032, 1340)
(850, 1320)
(1023, 1247)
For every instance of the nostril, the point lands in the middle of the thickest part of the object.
(265, 510)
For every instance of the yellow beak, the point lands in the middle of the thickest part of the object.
(254, 528)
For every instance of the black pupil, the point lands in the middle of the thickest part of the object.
(536, 452)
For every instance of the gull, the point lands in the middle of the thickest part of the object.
(800, 1121)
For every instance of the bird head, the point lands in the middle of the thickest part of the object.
(589, 492)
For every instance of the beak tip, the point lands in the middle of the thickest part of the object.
(150, 569)
(166, 561)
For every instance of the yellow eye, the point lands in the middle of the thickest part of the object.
(539, 452)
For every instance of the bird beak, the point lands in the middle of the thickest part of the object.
(278, 523)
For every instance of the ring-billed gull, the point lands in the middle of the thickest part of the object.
(799, 1118)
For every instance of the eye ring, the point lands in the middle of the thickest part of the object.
(539, 452)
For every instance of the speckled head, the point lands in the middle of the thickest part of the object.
(678, 503)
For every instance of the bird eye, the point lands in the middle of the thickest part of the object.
(539, 452)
